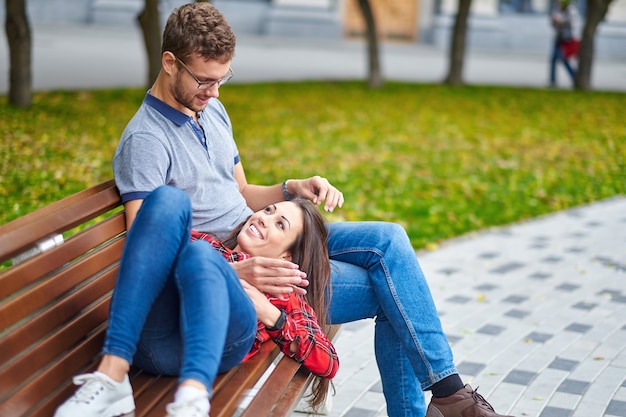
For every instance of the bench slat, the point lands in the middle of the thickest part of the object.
(19, 235)
(298, 384)
(58, 375)
(279, 393)
(226, 397)
(47, 350)
(292, 394)
(155, 396)
(16, 341)
(27, 272)
(20, 306)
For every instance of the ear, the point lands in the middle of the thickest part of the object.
(286, 256)
(168, 60)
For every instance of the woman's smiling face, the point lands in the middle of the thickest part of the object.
(271, 231)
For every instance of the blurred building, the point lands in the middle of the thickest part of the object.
(511, 25)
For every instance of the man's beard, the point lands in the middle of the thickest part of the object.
(184, 99)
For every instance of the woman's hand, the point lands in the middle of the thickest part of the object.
(317, 189)
(273, 276)
(265, 311)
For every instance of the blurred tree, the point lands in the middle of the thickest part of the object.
(150, 22)
(595, 13)
(457, 45)
(20, 46)
(374, 78)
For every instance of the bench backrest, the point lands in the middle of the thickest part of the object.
(54, 306)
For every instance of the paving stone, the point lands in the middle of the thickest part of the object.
(573, 387)
(556, 412)
(563, 364)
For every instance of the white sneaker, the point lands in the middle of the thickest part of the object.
(196, 407)
(98, 396)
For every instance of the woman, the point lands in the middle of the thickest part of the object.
(562, 21)
(299, 315)
(186, 313)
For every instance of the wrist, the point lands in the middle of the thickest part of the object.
(286, 194)
(279, 323)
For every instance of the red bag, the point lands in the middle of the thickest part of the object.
(570, 48)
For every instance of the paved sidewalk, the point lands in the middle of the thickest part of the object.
(535, 313)
(75, 57)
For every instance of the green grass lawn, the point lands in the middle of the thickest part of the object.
(440, 161)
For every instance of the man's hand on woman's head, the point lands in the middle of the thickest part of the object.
(317, 189)
(273, 276)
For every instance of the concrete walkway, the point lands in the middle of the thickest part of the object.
(535, 312)
(75, 57)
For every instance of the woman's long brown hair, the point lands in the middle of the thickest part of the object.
(310, 252)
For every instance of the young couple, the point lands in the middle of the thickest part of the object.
(181, 137)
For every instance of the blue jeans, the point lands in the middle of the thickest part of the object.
(377, 275)
(178, 307)
(557, 55)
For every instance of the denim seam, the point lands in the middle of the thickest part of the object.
(432, 377)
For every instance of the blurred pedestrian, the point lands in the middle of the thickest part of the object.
(565, 45)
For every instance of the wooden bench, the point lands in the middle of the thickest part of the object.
(53, 316)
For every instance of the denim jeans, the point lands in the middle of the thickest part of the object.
(557, 55)
(377, 275)
(178, 307)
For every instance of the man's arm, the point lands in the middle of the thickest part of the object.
(130, 211)
(257, 196)
(316, 189)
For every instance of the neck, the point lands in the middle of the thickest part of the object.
(161, 89)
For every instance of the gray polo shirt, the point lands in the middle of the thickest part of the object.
(162, 146)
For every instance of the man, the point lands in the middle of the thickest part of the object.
(181, 136)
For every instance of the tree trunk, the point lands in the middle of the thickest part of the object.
(374, 79)
(149, 21)
(457, 45)
(19, 39)
(596, 11)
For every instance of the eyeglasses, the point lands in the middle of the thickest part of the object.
(205, 85)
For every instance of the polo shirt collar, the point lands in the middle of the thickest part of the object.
(166, 110)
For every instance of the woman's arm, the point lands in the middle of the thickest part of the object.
(299, 336)
(266, 312)
(302, 339)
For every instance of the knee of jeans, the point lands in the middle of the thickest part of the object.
(397, 231)
(395, 235)
(170, 195)
(169, 200)
(199, 259)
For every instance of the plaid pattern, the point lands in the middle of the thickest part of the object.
(229, 255)
(313, 349)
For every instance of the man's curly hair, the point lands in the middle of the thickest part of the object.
(199, 28)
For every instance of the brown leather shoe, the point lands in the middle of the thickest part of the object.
(465, 402)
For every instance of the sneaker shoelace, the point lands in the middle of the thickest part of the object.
(480, 399)
(90, 385)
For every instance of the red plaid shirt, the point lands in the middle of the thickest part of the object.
(314, 350)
